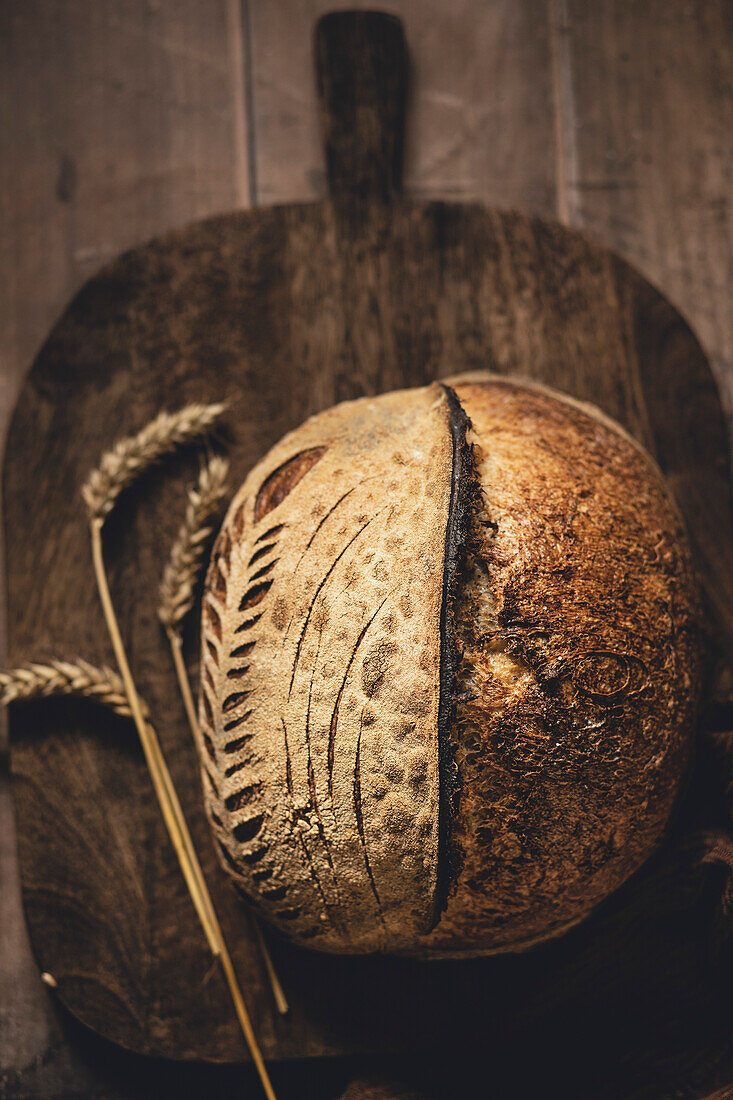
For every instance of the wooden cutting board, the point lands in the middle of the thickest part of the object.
(283, 311)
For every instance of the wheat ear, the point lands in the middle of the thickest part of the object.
(36, 681)
(181, 574)
(117, 470)
(131, 456)
(177, 591)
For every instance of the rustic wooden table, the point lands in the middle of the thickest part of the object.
(122, 118)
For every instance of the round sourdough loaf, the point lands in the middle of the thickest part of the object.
(450, 670)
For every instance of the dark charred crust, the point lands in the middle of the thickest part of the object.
(465, 500)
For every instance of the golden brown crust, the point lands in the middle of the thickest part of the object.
(585, 683)
(321, 762)
(341, 584)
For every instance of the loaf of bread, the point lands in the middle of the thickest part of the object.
(450, 670)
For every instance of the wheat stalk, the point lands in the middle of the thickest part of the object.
(184, 565)
(132, 456)
(117, 470)
(36, 681)
(278, 992)
(177, 589)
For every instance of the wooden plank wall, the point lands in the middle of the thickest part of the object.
(122, 118)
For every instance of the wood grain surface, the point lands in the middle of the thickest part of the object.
(533, 56)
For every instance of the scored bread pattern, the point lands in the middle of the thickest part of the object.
(235, 713)
(320, 675)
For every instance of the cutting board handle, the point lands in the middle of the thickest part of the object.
(361, 77)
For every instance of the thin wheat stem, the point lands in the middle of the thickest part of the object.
(177, 591)
(172, 813)
(117, 470)
(184, 684)
(277, 990)
(167, 797)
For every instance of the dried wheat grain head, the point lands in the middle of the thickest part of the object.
(450, 670)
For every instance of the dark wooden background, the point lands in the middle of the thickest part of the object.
(122, 118)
